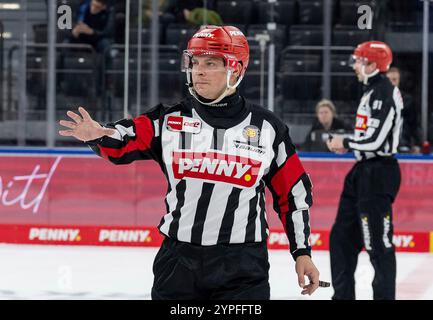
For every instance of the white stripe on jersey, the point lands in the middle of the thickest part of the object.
(299, 193)
(156, 127)
(116, 135)
(396, 95)
(202, 142)
(193, 191)
(380, 139)
(241, 217)
(215, 214)
(282, 155)
(369, 155)
(267, 138)
(298, 223)
(121, 131)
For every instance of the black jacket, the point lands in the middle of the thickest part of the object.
(378, 120)
(317, 136)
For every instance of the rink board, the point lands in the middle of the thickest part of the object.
(150, 237)
(65, 191)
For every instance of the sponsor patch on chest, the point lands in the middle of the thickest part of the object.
(183, 124)
(216, 166)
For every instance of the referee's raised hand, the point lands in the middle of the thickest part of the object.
(83, 127)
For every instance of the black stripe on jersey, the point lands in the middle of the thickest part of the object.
(250, 234)
(305, 218)
(95, 149)
(308, 186)
(308, 199)
(201, 212)
(185, 137)
(180, 196)
(167, 208)
(229, 216)
(185, 140)
(131, 156)
(263, 222)
(218, 139)
(290, 229)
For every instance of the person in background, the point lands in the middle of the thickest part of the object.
(325, 124)
(165, 17)
(410, 140)
(189, 11)
(95, 25)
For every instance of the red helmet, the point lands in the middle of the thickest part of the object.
(224, 41)
(375, 51)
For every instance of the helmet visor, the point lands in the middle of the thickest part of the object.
(353, 59)
(230, 62)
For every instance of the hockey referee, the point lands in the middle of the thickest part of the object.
(218, 152)
(364, 217)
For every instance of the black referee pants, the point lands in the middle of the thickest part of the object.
(364, 219)
(183, 271)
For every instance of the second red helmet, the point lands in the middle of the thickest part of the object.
(375, 51)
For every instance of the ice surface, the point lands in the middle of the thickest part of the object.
(84, 272)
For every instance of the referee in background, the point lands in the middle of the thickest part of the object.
(364, 217)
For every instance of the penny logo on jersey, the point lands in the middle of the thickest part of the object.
(216, 166)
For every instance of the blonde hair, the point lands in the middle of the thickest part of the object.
(326, 103)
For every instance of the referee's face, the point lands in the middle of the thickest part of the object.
(209, 76)
(369, 67)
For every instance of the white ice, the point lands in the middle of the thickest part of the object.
(84, 272)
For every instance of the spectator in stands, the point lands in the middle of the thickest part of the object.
(191, 12)
(325, 124)
(95, 25)
(410, 140)
(165, 17)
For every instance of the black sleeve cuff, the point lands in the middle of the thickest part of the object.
(94, 142)
(346, 143)
(301, 252)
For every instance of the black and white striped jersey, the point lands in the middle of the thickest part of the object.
(378, 120)
(217, 161)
